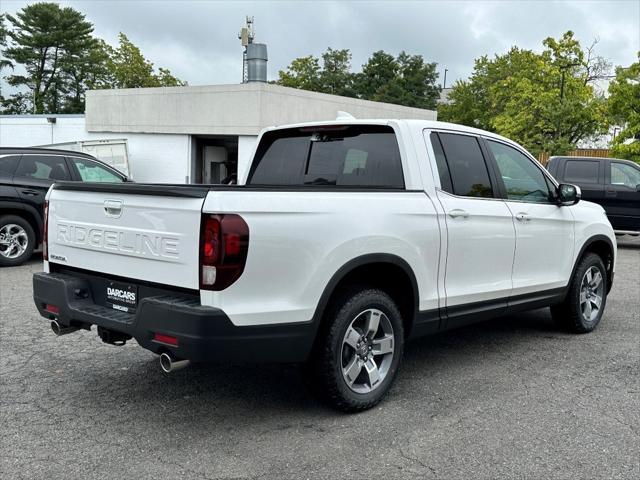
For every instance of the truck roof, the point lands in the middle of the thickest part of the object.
(411, 123)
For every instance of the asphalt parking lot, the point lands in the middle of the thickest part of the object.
(511, 398)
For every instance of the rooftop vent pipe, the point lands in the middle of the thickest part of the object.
(256, 62)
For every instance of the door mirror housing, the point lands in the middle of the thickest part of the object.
(568, 194)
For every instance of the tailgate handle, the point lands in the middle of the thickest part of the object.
(113, 208)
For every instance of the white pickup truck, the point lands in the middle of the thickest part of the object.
(342, 241)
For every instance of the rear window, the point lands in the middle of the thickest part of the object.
(351, 156)
(581, 171)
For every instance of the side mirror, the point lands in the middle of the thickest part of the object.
(568, 194)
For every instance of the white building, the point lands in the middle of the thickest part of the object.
(188, 134)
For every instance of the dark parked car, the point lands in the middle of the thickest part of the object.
(610, 182)
(25, 176)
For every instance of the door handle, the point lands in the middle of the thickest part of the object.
(611, 193)
(113, 208)
(523, 217)
(30, 192)
(458, 213)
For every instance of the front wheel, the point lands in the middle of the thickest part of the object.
(583, 307)
(359, 350)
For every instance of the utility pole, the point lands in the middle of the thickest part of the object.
(444, 83)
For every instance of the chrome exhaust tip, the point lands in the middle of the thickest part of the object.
(59, 329)
(170, 364)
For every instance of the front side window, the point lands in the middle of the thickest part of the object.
(91, 171)
(43, 167)
(623, 174)
(523, 180)
(466, 165)
(354, 156)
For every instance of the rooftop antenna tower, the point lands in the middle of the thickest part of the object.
(246, 36)
(254, 55)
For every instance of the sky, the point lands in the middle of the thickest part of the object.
(197, 39)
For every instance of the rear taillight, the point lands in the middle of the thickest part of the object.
(45, 232)
(224, 244)
(52, 308)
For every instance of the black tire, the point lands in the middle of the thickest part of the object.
(569, 314)
(31, 240)
(325, 368)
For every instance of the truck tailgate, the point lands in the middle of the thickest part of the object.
(131, 231)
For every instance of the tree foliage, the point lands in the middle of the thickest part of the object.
(45, 35)
(61, 60)
(131, 70)
(4, 33)
(545, 101)
(624, 109)
(404, 80)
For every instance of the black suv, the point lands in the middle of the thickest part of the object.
(25, 176)
(610, 182)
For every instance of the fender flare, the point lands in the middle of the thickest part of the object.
(360, 261)
(27, 208)
(590, 241)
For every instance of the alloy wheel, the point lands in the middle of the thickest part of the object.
(13, 240)
(591, 293)
(367, 351)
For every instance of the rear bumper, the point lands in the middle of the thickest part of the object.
(204, 334)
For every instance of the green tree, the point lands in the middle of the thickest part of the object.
(414, 84)
(166, 79)
(336, 77)
(303, 73)
(130, 69)
(4, 34)
(85, 70)
(405, 80)
(333, 77)
(545, 101)
(624, 109)
(380, 70)
(44, 36)
(4, 63)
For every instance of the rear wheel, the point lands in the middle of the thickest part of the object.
(359, 351)
(586, 299)
(17, 240)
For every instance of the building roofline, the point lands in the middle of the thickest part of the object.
(45, 115)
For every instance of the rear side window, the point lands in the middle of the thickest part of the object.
(581, 171)
(9, 163)
(466, 166)
(352, 156)
(441, 162)
(43, 167)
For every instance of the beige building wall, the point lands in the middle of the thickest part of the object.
(242, 109)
